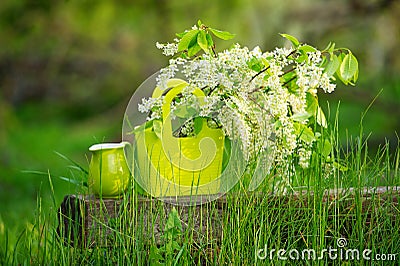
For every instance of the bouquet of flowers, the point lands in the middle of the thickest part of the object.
(263, 99)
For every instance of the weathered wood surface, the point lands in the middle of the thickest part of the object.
(89, 221)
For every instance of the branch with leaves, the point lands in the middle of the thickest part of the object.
(268, 99)
(199, 38)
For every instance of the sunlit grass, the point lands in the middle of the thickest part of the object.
(249, 222)
(32, 145)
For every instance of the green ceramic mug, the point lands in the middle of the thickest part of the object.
(108, 170)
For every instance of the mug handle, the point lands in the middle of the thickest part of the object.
(128, 154)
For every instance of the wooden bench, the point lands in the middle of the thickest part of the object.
(88, 221)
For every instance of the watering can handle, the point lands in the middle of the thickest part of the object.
(171, 144)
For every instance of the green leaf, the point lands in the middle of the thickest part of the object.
(210, 41)
(289, 79)
(199, 23)
(349, 68)
(330, 48)
(332, 65)
(202, 41)
(305, 133)
(194, 50)
(340, 58)
(173, 221)
(307, 49)
(341, 167)
(175, 246)
(325, 147)
(184, 56)
(198, 124)
(301, 117)
(187, 39)
(355, 77)
(321, 120)
(155, 256)
(265, 62)
(255, 64)
(290, 38)
(354, 59)
(278, 125)
(180, 35)
(312, 104)
(193, 47)
(303, 57)
(304, 50)
(224, 35)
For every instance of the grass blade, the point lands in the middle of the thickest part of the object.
(72, 161)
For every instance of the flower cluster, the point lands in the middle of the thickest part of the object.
(169, 49)
(263, 99)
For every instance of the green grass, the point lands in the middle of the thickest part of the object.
(32, 137)
(249, 222)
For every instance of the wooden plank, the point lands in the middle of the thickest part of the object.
(89, 221)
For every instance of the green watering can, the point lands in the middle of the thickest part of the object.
(179, 166)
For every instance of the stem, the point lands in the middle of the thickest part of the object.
(258, 104)
(265, 69)
(287, 71)
(166, 91)
(257, 89)
(212, 89)
(213, 50)
(287, 82)
(259, 73)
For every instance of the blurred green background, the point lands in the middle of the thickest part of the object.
(69, 68)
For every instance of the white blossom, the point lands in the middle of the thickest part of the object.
(187, 128)
(146, 105)
(210, 106)
(253, 108)
(166, 74)
(152, 106)
(315, 57)
(304, 157)
(326, 85)
(169, 49)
